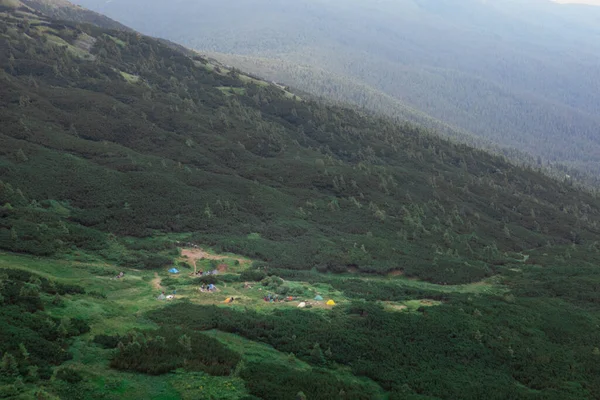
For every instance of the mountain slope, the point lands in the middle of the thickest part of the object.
(164, 142)
(117, 150)
(520, 73)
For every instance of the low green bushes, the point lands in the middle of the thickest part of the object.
(164, 350)
(32, 342)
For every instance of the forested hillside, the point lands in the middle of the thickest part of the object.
(161, 142)
(521, 73)
(455, 274)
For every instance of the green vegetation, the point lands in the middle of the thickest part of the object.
(455, 273)
(166, 350)
(501, 336)
(294, 183)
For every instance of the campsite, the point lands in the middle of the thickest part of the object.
(117, 307)
(285, 341)
(218, 279)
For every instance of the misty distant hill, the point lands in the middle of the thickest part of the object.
(522, 73)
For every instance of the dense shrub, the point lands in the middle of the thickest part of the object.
(436, 352)
(252, 275)
(271, 282)
(108, 341)
(28, 335)
(69, 375)
(274, 382)
(162, 351)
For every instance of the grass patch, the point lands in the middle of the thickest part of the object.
(129, 77)
(256, 352)
(11, 3)
(118, 41)
(230, 91)
(200, 386)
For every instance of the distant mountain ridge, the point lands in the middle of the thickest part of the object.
(519, 73)
(65, 10)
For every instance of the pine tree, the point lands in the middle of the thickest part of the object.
(63, 328)
(24, 352)
(301, 396)
(186, 343)
(21, 156)
(32, 373)
(291, 358)
(9, 366)
(316, 355)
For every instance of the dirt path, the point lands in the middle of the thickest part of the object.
(156, 282)
(193, 255)
(396, 307)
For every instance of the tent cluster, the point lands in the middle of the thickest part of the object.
(208, 288)
(304, 304)
(162, 296)
(275, 298)
(202, 273)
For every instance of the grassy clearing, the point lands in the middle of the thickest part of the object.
(208, 66)
(251, 296)
(487, 286)
(118, 41)
(253, 351)
(129, 77)
(248, 79)
(127, 300)
(230, 91)
(199, 386)
(116, 306)
(11, 3)
(76, 51)
(409, 305)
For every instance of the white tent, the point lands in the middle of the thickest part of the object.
(302, 305)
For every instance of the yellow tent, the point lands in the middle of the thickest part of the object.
(331, 303)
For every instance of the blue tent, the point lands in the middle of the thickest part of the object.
(318, 298)
(174, 271)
